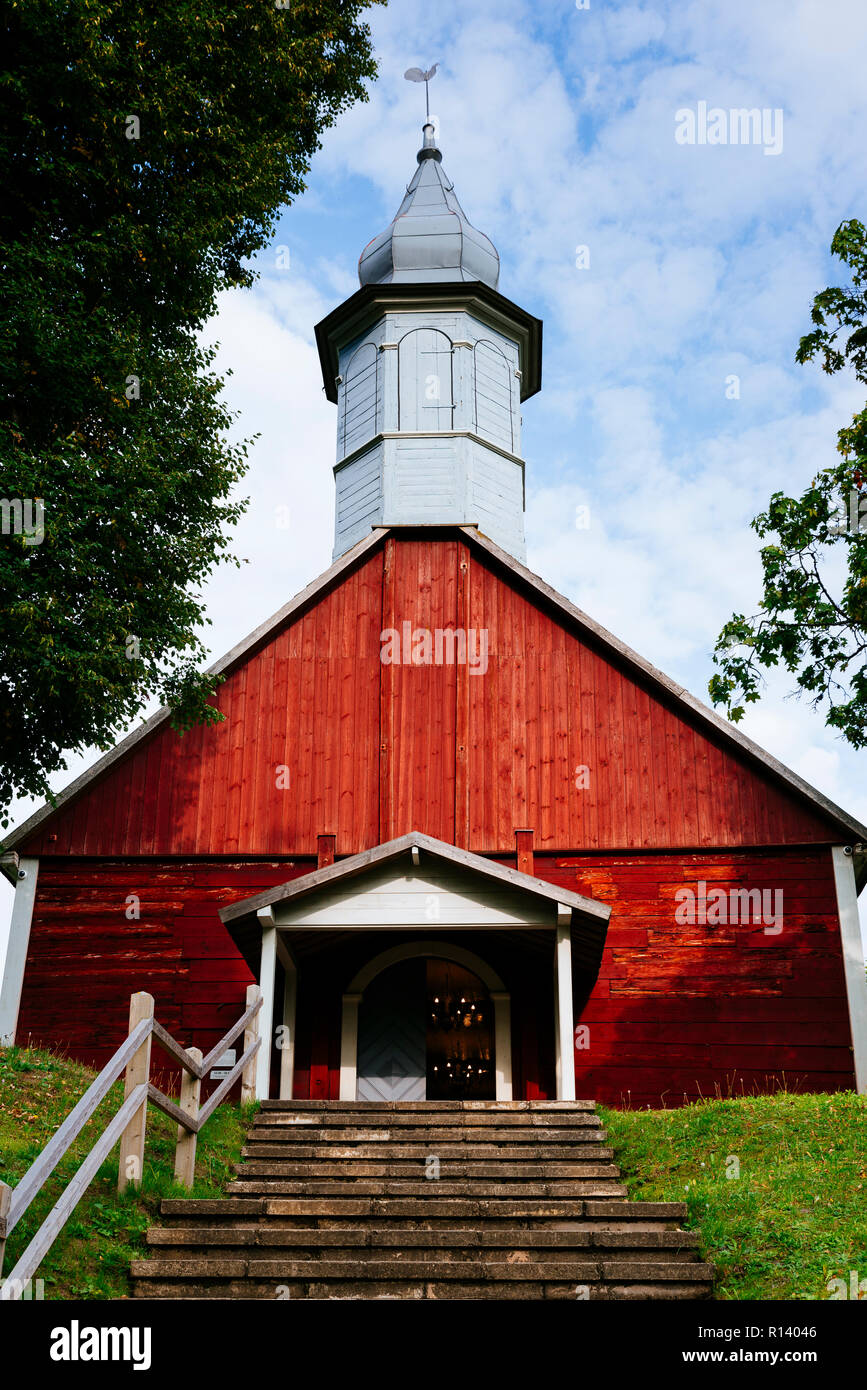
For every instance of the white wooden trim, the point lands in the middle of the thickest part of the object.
(409, 950)
(588, 909)
(442, 950)
(349, 1046)
(476, 438)
(398, 897)
(853, 960)
(502, 1002)
(287, 1050)
(267, 978)
(563, 1013)
(558, 1070)
(13, 952)
(357, 315)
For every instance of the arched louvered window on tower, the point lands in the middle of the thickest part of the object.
(360, 397)
(425, 385)
(492, 389)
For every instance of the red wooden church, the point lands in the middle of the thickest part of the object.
(470, 844)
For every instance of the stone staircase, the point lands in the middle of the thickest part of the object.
(434, 1199)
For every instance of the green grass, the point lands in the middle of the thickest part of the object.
(795, 1217)
(90, 1258)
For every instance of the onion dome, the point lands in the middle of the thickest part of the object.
(430, 238)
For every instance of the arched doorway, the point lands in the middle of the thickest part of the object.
(426, 1020)
(459, 1034)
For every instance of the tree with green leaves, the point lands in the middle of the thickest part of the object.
(145, 150)
(812, 618)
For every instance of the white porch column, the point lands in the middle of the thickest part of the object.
(287, 1037)
(853, 960)
(13, 951)
(267, 977)
(349, 1047)
(563, 1016)
(503, 1043)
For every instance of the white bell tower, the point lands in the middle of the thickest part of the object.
(428, 365)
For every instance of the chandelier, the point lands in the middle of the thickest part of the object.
(457, 1071)
(451, 1011)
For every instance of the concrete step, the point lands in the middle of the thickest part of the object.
(453, 1243)
(617, 1215)
(331, 1202)
(240, 1290)
(420, 1151)
(412, 1117)
(457, 1263)
(350, 1168)
(299, 1138)
(413, 1279)
(405, 1187)
(427, 1107)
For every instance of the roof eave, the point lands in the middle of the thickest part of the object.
(309, 594)
(353, 316)
(697, 708)
(849, 826)
(357, 864)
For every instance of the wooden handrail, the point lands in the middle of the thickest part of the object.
(217, 1052)
(194, 1123)
(60, 1213)
(43, 1166)
(180, 1054)
(226, 1085)
(132, 1058)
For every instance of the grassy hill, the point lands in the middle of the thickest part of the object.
(90, 1258)
(777, 1184)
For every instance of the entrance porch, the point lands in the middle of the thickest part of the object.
(419, 971)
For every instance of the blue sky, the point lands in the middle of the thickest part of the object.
(557, 126)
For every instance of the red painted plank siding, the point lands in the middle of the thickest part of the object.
(678, 1010)
(685, 1010)
(86, 957)
(374, 751)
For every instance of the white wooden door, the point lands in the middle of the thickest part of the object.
(392, 1035)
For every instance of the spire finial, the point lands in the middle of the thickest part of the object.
(419, 75)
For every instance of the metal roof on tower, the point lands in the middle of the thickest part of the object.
(430, 238)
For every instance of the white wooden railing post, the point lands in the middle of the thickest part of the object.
(185, 1150)
(131, 1165)
(5, 1203)
(251, 1033)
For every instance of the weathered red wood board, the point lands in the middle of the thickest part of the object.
(679, 1010)
(87, 956)
(321, 736)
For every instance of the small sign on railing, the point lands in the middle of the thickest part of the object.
(224, 1065)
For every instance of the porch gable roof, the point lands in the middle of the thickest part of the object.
(594, 915)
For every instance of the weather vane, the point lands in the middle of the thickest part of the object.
(417, 75)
